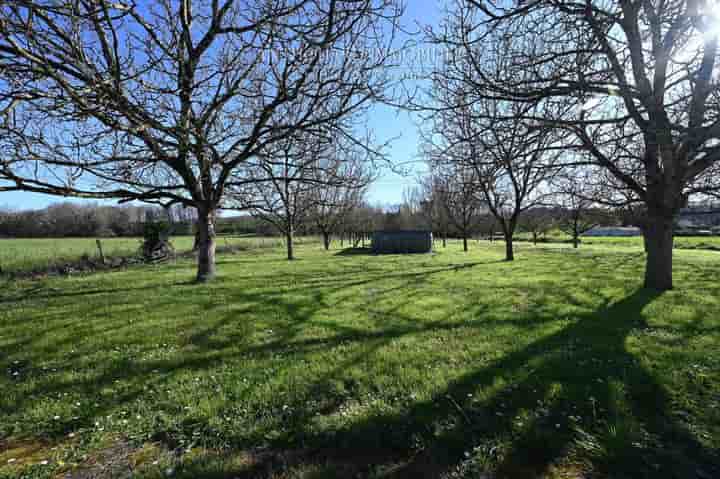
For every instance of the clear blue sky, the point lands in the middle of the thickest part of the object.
(385, 122)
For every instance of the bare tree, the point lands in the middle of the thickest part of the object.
(344, 182)
(537, 221)
(578, 197)
(167, 102)
(303, 178)
(432, 209)
(512, 158)
(643, 77)
(459, 194)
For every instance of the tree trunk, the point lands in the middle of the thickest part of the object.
(289, 241)
(509, 251)
(326, 240)
(576, 240)
(465, 245)
(658, 235)
(206, 244)
(444, 240)
(196, 241)
(535, 238)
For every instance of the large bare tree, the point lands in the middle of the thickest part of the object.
(167, 101)
(643, 76)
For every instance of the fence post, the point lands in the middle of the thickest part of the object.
(99, 247)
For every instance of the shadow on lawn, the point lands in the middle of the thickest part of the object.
(584, 403)
(355, 252)
(573, 399)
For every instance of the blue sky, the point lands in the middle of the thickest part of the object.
(386, 123)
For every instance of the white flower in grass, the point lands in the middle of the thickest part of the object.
(11, 460)
(43, 463)
(57, 418)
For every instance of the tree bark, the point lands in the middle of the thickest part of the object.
(206, 244)
(658, 236)
(465, 243)
(509, 250)
(326, 240)
(289, 241)
(576, 241)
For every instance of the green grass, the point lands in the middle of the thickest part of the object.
(352, 365)
(681, 242)
(38, 254)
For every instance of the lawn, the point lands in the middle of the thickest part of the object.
(711, 243)
(38, 254)
(343, 364)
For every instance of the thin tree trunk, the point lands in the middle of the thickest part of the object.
(465, 243)
(326, 240)
(289, 241)
(576, 240)
(509, 250)
(658, 235)
(206, 244)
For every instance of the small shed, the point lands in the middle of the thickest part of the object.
(402, 242)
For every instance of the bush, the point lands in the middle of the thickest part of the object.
(156, 244)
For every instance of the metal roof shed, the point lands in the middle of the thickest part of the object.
(401, 242)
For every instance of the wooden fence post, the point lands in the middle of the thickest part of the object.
(99, 247)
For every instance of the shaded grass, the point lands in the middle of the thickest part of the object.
(392, 366)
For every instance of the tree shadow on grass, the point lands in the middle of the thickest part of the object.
(355, 252)
(577, 395)
(574, 400)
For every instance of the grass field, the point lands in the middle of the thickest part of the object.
(343, 364)
(36, 254)
(681, 242)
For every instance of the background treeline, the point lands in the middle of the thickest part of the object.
(94, 220)
(82, 220)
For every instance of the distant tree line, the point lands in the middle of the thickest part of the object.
(81, 220)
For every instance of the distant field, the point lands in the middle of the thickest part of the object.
(32, 254)
(681, 242)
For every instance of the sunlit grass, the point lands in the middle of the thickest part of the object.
(336, 365)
